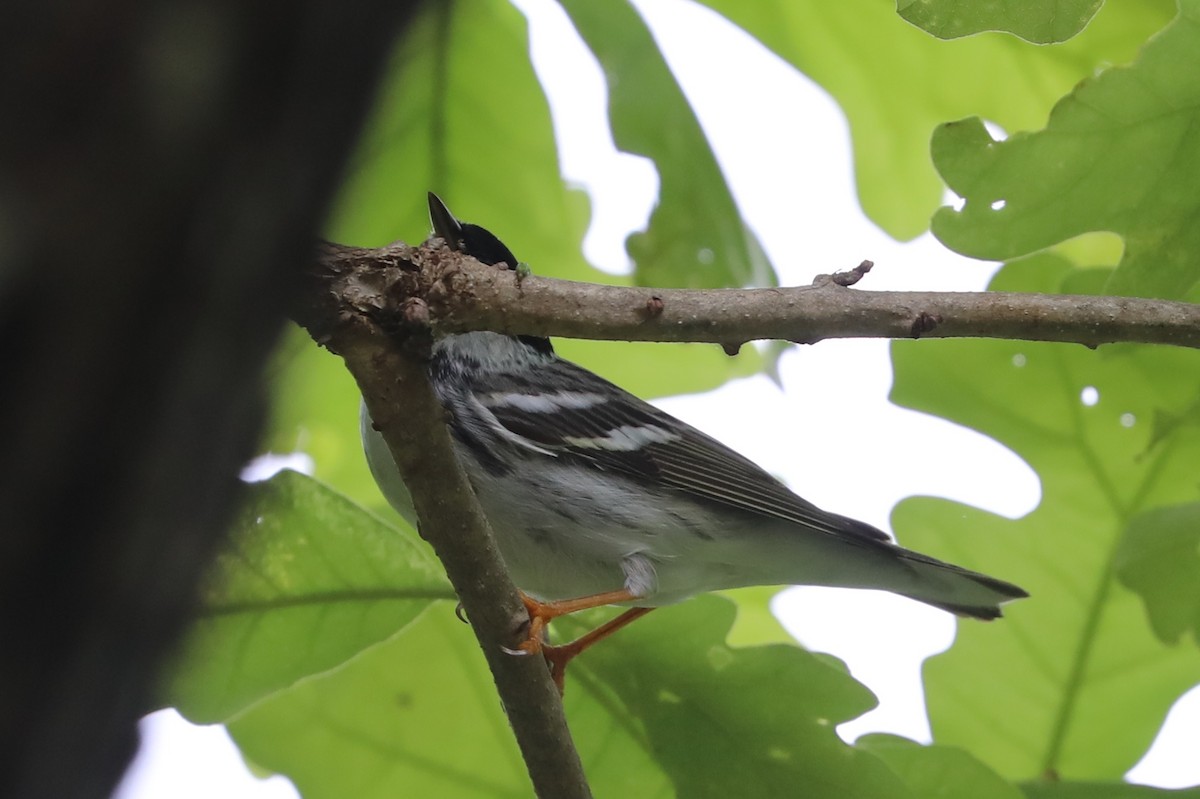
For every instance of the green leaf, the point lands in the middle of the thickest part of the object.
(1102, 790)
(1159, 558)
(414, 716)
(1033, 20)
(696, 237)
(1120, 153)
(895, 83)
(461, 112)
(934, 772)
(652, 369)
(315, 411)
(1072, 681)
(309, 581)
(755, 623)
(663, 708)
(724, 721)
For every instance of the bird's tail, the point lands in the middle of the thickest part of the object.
(863, 557)
(952, 588)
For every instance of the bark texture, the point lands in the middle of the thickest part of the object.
(163, 169)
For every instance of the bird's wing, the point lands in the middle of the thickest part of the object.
(594, 422)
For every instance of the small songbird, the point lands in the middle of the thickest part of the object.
(596, 497)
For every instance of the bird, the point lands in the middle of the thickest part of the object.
(596, 497)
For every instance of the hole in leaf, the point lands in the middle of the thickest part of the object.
(1018, 360)
(998, 205)
(1128, 420)
(1089, 396)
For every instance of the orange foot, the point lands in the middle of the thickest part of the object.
(557, 657)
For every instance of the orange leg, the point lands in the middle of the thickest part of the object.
(542, 613)
(559, 656)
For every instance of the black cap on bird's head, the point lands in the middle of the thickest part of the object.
(482, 245)
(472, 240)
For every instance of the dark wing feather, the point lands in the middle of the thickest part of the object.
(681, 458)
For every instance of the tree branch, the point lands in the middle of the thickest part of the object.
(390, 372)
(377, 308)
(461, 295)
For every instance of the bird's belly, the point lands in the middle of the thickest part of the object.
(567, 533)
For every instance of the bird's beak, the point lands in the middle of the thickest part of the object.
(445, 226)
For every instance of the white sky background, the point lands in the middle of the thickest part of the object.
(831, 434)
